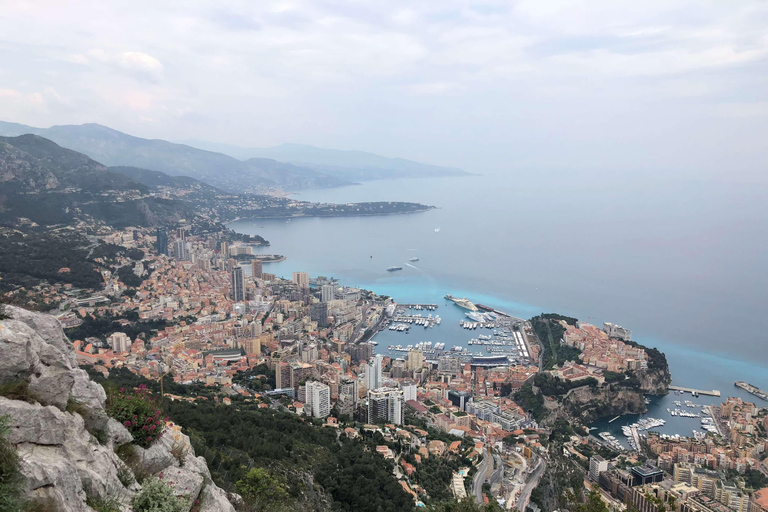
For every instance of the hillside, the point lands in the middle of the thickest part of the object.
(348, 165)
(49, 184)
(114, 148)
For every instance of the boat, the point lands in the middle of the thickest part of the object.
(394, 269)
(437, 230)
(414, 259)
(463, 303)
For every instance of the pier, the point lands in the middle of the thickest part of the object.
(428, 307)
(714, 392)
(749, 388)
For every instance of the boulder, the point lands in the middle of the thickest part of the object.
(214, 499)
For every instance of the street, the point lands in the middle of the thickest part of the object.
(525, 494)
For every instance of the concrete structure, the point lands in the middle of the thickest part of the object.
(373, 379)
(256, 269)
(238, 284)
(327, 293)
(161, 245)
(617, 331)
(318, 399)
(301, 279)
(385, 404)
(415, 360)
(597, 465)
(119, 342)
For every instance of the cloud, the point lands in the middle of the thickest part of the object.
(394, 77)
(132, 61)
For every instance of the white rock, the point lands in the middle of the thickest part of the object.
(214, 499)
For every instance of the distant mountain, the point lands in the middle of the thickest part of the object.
(31, 164)
(115, 148)
(157, 179)
(49, 184)
(348, 165)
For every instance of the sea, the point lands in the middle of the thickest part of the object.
(680, 262)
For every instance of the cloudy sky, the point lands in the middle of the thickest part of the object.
(651, 86)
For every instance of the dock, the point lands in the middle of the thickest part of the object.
(713, 392)
(614, 419)
(428, 307)
(749, 388)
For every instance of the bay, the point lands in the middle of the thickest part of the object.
(681, 263)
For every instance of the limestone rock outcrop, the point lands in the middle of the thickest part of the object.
(66, 441)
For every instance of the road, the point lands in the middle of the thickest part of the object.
(481, 476)
(525, 494)
(498, 473)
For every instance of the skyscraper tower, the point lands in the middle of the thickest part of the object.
(180, 234)
(238, 284)
(327, 292)
(256, 269)
(225, 250)
(162, 241)
(301, 279)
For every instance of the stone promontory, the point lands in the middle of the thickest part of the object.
(66, 442)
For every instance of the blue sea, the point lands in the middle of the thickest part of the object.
(680, 263)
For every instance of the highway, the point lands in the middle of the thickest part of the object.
(525, 494)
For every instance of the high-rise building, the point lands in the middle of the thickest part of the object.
(180, 249)
(252, 346)
(409, 390)
(119, 342)
(385, 404)
(327, 293)
(301, 279)
(319, 399)
(238, 284)
(180, 234)
(415, 359)
(225, 250)
(256, 269)
(459, 398)
(319, 313)
(373, 378)
(162, 241)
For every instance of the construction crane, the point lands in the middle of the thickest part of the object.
(160, 378)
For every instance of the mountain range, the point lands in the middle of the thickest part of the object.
(286, 167)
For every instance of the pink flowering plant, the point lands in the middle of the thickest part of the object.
(139, 412)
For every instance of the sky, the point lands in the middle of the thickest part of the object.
(647, 88)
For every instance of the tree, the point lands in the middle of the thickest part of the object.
(259, 488)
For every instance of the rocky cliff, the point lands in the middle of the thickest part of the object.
(588, 403)
(67, 444)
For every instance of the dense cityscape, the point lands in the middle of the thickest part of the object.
(198, 308)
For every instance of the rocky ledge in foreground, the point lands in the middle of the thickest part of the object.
(72, 455)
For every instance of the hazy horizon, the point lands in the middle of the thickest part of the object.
(657, 88)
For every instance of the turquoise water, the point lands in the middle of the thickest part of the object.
(678, 263)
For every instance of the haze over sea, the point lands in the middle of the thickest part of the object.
(680, 263)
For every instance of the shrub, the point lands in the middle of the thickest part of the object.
(125, 475)
(156, 496)
(76, 407)
(18, 390)
(10, 474)
(110, 504)
(139, 412)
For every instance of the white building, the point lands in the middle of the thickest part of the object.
(373, 379)
(318, 399)
(119, 342)
(617, 331)
(597, 465)
(409, 390)
(385, 404)
(328, 293)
